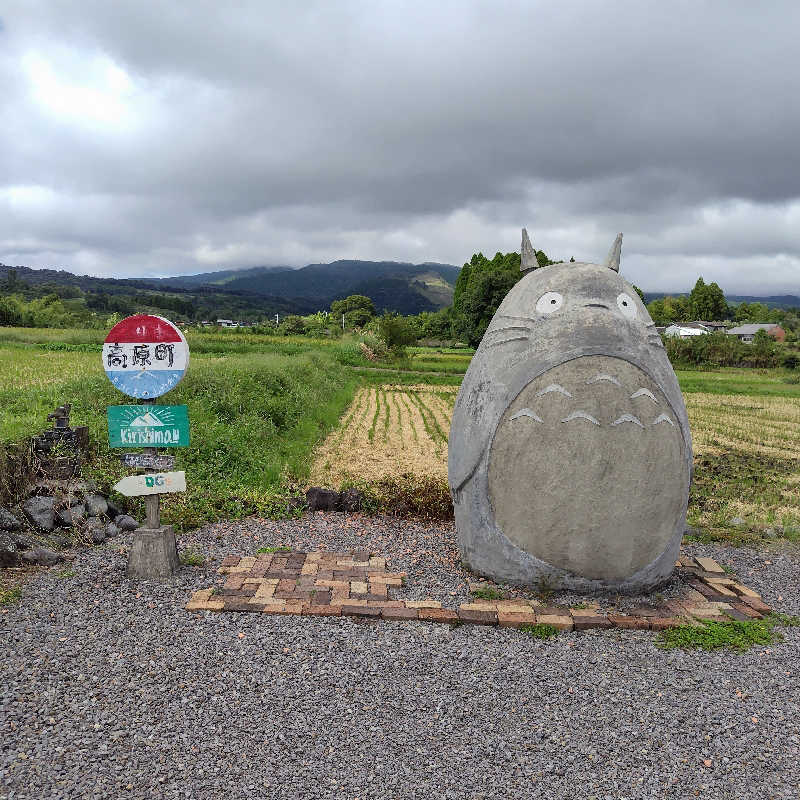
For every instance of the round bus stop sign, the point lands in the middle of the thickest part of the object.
(145, 356)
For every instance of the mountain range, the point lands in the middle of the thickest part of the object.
(264, 291)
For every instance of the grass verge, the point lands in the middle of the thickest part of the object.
(732, 635)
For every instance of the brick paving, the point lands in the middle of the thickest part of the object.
(358, 584)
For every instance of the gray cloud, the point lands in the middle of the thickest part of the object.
(144, 138)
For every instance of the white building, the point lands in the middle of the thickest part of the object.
(685, 330)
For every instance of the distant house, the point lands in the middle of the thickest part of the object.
(227, 323)
(686, 329)
(746, 333)
(206, 323)
(712, 327)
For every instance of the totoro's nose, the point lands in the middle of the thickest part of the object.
(596, 304)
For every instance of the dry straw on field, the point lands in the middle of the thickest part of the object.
(741, 442)
(388, 431)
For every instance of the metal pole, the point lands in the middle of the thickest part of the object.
(342, 321)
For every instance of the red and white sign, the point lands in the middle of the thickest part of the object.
(145, 356)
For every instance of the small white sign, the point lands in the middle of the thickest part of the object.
(152, 483)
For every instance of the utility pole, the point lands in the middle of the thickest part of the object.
(342, 321)
(276, 320)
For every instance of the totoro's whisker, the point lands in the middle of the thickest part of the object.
(644, 393)
(602, 377)
(527, 321)
(498, 342)
(580, 415)
(663, 418)
(508, 328)
(526, 412)
(553, 387)
(627, 418)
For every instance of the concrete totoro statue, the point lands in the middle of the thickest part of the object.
(570, 453)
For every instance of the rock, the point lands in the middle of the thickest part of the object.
(41, 556)
(8, 522)
(113, 510)
(63, 542)
(39, 511)
(126, 523)
(351, 500)
(112, 530)
(737, 522)
(96, 504)
(9, 557)
(22, 541)
(98, 535)
(770, 533)
(64, 518)
(319, 499)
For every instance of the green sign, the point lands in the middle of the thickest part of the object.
(148, 426)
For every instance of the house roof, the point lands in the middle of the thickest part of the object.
(752, 327)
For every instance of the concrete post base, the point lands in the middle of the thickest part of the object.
(153, 553)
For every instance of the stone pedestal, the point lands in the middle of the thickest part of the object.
(153, 553)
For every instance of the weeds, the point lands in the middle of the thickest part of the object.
(191, 558)
(281, 549)
(10, 596)
(734, 634)
(67, 573)
(487, 593)
(539, 630)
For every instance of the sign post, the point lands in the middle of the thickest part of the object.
(145, 356)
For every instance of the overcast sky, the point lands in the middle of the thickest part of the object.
(143, 138)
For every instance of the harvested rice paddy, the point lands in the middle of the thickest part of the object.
(747, 449)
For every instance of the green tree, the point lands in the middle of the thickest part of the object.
(707, 302)
(480, 288)
(357, 310)
(396, 332)
(292, 325)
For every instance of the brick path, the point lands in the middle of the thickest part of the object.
(358, 584)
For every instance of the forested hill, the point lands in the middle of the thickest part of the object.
(248, 293)
(396, 286)
(783, 301)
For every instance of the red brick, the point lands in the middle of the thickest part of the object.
(661, 623)
(306, 597)
(320, 597)
(230, 561)
(583, 623)
(234, 582)
(399, 613)
(734, 613)
(756, 603)
(438, 614)
(551, 611)
(513, 619)
(241, 604)
(746, 609)
(360, 611)
(361, 555)
(286, 585)
(629, 623)
(646, 612)
(477, 617)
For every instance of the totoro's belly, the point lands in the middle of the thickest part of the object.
(587, 469)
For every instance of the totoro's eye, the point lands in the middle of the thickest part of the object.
(626, 305)
(549, 302)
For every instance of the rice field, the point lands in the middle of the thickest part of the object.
(747, 449)
(388, 431)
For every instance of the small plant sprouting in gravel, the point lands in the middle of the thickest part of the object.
(488, 593)
(281, 549)
(67, 573)
(191, 558)
(786, 620)
(9, 596)
(734, 635)
(539, 630)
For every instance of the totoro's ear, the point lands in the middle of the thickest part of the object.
(527, 254)
(612, 259)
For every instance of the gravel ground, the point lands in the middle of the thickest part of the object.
(110, 689)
